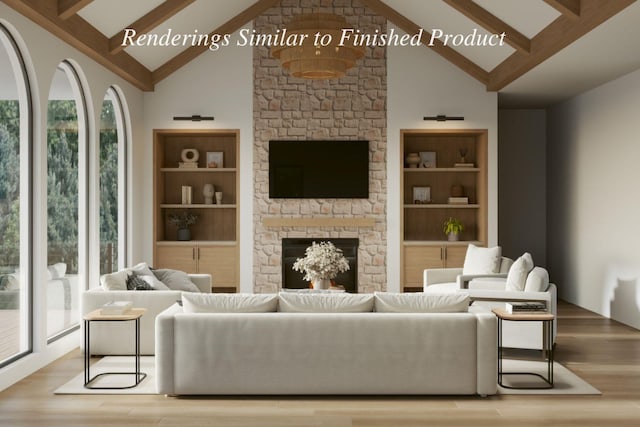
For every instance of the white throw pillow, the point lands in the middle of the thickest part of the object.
(142, 270)
(229, 303)
(325, 303)
(537, 280)
(450, 302)
(518, 273)
(482, 260)
(115, 281)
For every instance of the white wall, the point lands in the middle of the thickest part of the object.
(422, 83)
(43, 52)
(522, 210)
(593, 175)
(218, 84)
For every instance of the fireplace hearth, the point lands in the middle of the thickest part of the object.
(294, 248)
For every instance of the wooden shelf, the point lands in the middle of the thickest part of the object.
(196, 206)
(275, 222)
(424, 245)
(436, 170)
(202, 170)
(200, 242)
(214, 248)
(440, 242)
(442, 206)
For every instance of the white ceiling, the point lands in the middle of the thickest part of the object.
(607, 52)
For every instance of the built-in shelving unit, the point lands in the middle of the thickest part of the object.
(424, 244)
(213, 247)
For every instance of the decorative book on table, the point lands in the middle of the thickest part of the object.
(116, 307)
(526, 307)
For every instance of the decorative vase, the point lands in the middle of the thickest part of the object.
(208, 191)
(321, 284)
(453, 237)
(184, 234)
(412, 159)
(219, 197)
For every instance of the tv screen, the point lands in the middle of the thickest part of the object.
(319, 169)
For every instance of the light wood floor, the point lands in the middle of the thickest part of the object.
(605, 353)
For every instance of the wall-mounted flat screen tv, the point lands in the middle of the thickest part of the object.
(319, 169)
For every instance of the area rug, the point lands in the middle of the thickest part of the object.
(564, 381)
(114, 364)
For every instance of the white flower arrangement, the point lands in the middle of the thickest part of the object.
(322, 261)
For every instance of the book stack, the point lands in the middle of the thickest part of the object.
(116, 307)
(526, 307)
(188, 165)
(458, 200)
(187, 193)
(463, 165)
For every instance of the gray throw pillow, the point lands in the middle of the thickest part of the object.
(175, 280)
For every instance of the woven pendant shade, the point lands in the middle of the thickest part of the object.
(317, 62)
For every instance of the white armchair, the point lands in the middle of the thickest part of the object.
(490, 291)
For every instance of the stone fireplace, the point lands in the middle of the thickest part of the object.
(350, 108)
(294, 248)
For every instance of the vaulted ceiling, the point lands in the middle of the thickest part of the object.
(554, 48)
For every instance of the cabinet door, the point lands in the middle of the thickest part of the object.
(455, 256)
(177, 257)
(416, 259)
(221, 262)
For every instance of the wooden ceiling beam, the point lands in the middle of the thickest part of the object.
(68, 8)
(446, 52)
(569, 8)
(555, 37)
(149, 21)
(83, 36)
(492, 23)
(228, 27)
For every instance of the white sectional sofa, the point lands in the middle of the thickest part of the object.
(324, 347)
(117, 338)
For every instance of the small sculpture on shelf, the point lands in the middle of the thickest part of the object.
(189, 157)
(208, 190)
(183, 221)
(412, 160)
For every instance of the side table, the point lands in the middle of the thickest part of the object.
(547, 343)
(96, 316)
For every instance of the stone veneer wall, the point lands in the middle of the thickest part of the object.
(353, 107)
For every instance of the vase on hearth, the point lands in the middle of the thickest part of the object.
(321, 284)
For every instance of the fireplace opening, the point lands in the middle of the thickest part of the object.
(294, 248)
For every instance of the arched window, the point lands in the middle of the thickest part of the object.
(112, 183)
(15, 203)
(66, 200)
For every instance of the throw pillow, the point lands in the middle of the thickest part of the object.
(537, 280)
(450, 302)
(137, 283)
(143, 270)
(229, 303)
(115, 281)
(482, 260)
(518, 273)
(175, 280)
(325, 303)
